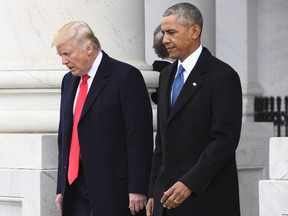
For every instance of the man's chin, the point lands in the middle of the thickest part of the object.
(75, 73)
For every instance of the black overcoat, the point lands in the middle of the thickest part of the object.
(197, 139)
(116, 137)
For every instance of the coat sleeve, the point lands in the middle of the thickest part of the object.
(225, 133)
(58, 188)
(157, 154)
(137, 113)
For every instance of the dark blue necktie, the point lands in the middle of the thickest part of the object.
(177, 84)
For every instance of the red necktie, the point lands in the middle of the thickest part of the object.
(75, 147)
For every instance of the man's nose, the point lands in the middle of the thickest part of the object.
(64, 60)
(165, 39)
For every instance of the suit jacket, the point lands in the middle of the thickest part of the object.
(115, 134)
(197, 139)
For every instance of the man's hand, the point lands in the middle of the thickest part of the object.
(175, 195)
(149, 207)
(137, 202)
(58, 202)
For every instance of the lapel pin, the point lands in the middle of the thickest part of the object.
(194, 84)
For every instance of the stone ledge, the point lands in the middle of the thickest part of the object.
(52, 78)
(278, 156)
(27, 192)
(28, 151)
(273, 197)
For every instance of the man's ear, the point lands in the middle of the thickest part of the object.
(89, 49)
(196, 31)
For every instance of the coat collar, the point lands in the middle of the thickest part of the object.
(98, 83)
(190, 87)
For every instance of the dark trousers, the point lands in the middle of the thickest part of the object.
(80, 203)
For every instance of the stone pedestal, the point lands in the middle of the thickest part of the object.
(273, 193)
(28, 174)
(252, 164)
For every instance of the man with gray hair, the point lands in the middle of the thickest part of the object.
(105, 137)
(199, 115)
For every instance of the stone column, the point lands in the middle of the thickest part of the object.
(31, 71)
(236, 44)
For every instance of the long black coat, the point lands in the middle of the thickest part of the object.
(197, 139)
(115, 134)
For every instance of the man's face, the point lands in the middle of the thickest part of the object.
(77, 60)
(179, 38)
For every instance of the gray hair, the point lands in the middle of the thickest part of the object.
(187, 13)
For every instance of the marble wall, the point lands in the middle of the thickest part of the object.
(272, 49)
(28, 174)
(251, 36)
(273, 193)
(253, 164)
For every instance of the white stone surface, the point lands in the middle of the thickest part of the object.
(29, 110)
(28, 151)
(272, 57)
(29, 26)
(28, 164)
(244, 32)
(29, 79)
(11, 206)
(252, 163)
(273, 195)
(27, 192)
(236, 44)
(278, 155)
(31, 104)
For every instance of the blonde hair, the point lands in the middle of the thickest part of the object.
(78, 32)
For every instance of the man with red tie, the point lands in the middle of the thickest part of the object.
(105, 137)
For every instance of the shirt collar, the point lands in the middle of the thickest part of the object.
(95, 65)
(191, 60)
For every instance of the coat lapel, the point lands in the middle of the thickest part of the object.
(193, 82)
(168, 77)
(98, 83)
